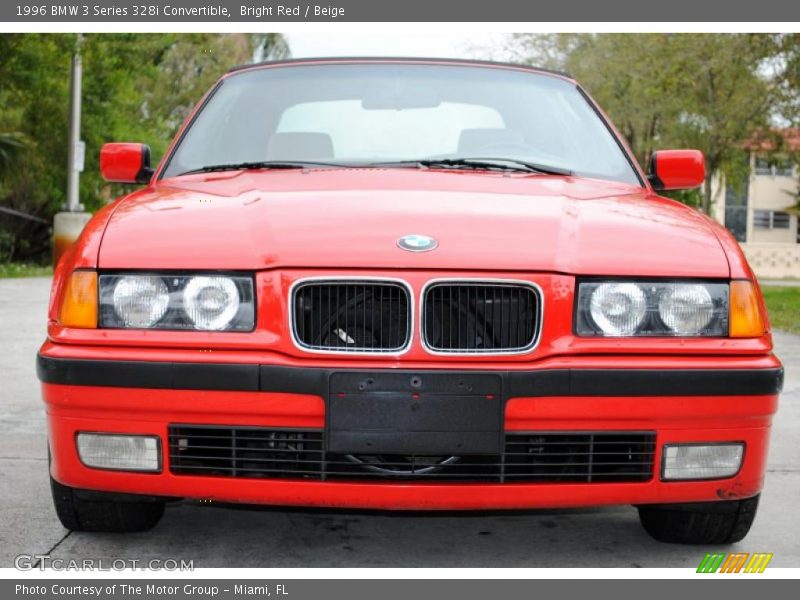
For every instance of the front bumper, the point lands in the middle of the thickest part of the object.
(679, 401)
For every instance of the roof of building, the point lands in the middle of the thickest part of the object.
(787, 138)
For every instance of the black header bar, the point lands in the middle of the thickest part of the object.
(464, 11)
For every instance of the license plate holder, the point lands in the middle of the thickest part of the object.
(414, 413)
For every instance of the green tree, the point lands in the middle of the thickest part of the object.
(705, 91)
(788, 62)
(136, 87)
(33, 100)
(10, 146)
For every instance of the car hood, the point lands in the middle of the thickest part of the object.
(346, 218)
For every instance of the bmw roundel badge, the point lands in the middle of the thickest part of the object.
(417, 243)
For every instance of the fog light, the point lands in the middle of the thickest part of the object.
(700, 461)
(120, 452)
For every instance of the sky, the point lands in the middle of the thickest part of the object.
(457, 45)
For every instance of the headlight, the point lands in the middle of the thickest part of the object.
(211, 302)
(686, 309)
(618, 308)
(140, 301)
(162, 301)
(647, 308)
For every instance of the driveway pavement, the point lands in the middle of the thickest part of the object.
(258, 537)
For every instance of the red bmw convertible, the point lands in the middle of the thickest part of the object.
(406, 284)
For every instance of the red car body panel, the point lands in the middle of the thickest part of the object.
(144, 411)
(544, 230)
(524, 223)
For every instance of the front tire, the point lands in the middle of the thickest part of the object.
(102, 511)
(723, 522)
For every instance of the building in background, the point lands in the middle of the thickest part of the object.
(763, 214)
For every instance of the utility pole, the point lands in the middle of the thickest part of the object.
(76, 149)
(68, 224)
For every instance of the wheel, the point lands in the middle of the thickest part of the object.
(100, 511)
(723, 522)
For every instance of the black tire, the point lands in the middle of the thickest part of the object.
(722, 522)
(101, 511)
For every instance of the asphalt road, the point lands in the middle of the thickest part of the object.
(259, 537)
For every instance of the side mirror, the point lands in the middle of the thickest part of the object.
(676, 169)
(125, 163)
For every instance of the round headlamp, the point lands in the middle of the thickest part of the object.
(211, 302)
(140, 301)
(618, 308)
(686, 309)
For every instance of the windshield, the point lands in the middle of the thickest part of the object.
(378, 113)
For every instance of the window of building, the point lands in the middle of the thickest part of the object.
(770, 219)
(773, 165)
(736, 211)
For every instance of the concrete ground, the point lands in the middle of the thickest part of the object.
(239, 537)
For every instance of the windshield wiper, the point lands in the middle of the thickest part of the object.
(511, 164)
(506, 164)
(263, 164)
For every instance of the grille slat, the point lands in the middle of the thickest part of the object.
(351, 316)
(252, 452)
(480, 317)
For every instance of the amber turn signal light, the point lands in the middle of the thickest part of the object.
(79, 303)
(746, 320)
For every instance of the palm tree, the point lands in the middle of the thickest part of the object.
(10, 145)
(269, 46)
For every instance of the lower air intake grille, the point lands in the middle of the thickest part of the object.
(352, 316)
(478, 317)
(579, 457)
(252, 452)
(245, 451)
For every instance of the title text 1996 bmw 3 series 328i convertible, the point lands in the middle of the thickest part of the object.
(406, 284)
